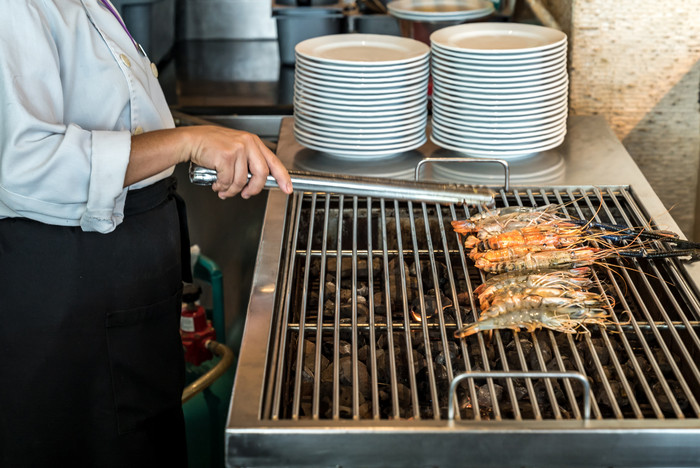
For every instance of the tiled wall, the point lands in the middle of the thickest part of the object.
(636, 63)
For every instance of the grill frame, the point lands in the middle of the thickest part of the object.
(254, 440)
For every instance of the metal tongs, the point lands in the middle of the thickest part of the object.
(376, 187)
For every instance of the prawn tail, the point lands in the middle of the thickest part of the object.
(471, 329)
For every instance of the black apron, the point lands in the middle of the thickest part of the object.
(92, 364)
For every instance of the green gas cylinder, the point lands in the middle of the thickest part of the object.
(206, 412)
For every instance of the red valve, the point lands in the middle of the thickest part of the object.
(195, 329)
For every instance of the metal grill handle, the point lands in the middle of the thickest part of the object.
(502, 162)
(523, 375)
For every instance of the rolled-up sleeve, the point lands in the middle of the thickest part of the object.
(53, 170)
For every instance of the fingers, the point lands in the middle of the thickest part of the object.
(279, 172)
(257, 166)
(236, 154)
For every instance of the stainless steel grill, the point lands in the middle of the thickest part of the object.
(361, 353)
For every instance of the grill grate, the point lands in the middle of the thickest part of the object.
(374, 290)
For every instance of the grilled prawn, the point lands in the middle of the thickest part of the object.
(568, 319)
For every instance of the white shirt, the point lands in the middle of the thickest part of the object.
(73, 89)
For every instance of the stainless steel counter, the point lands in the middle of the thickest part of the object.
(590, 156)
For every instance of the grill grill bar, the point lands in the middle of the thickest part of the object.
(374, 290)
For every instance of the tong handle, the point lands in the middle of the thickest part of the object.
(368, 186)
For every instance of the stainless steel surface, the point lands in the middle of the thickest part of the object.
(367, 186)
(270, 426)
(226, 19)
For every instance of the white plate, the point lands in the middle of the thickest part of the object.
(364, 124)
(488, 56)
(366, 49)
(500, 73)
(558, 60)
(501, 77)
(354, 112)
(506, 114)
(361, 71)
(459, 124)
(494, 141)
(335, 100)
(448, 128)
(359, 139)
(344, 131)
(362, 77)
(305, 90)
(468, 57)
(492, 125)
(500, 153)
(357, 82)
(488, 83)
(468, 116)
(527, 69)
(366, 91)
(467, 87)
(479, 94)
(363, 119)
(355, 107)
(368, 68)
(497, 38)
(457, 98)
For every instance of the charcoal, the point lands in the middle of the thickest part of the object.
(542, 395)
(346, 374)
(663, 399)
(513, 355)
(618, 393)
(419, 361)
(363, 353)
(664, 363)
(329, 290)
(607, 375)
(404, 395)
(484, 397)
(545, 351)
(365, 410)
(452, 350)
(383, 369)
(441, 375)
(306, 410)
(520, 392)
(312, 300)
(527, 410)
(345, 412)
(363, 291)
(344, 348)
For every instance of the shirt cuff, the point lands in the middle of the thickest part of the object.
(106, 193)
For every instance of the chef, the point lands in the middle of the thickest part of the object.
(93, 237)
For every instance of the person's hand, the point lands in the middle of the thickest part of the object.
(234, 154)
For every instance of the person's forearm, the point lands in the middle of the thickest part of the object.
(153, 152)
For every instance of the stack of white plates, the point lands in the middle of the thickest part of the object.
(499, 89)
(361, 95)
(440, 10)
